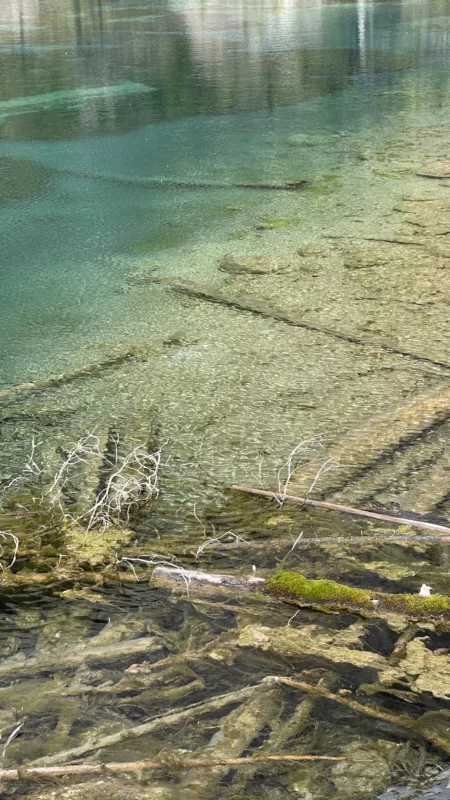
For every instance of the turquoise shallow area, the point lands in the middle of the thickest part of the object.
(228, 85)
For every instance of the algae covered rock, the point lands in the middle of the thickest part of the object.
(338, 647)
(366, 772)
(422, 670)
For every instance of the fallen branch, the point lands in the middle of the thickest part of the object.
(87, 370)
(399, 721)
(175, 761)
(157, 724)
(414, 523)
(200, 293)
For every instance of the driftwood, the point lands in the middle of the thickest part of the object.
(305, 501)
(200, 293)
(172, 761)
(399, 721)
(87, 370)
(168, 183)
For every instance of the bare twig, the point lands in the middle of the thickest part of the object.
(10, 738)
(414, 523)
(156, 560)
(132, 479)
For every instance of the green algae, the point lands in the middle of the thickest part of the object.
(296, 588)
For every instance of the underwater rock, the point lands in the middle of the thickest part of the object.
(438, 169)
(363, 259)
(251, 265)
(145, 275)
(422, 670)
(360, 780)
(22, 179)
(319, 249)
(308, 140)
(339, 647)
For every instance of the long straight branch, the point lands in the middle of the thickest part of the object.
(305, 501)
(173, 761)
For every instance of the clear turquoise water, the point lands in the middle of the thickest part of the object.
(230, 83)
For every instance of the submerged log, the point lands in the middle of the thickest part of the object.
(292, 587)
(87, 370)
(143, 182)
(414, 726)
(199, 292)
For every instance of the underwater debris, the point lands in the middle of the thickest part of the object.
(144, 182)
(199, 292)
(380, 436)
(67, 97)
(87, 370)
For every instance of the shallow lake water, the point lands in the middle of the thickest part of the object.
(220, 238)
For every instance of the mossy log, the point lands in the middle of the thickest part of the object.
(293, 587)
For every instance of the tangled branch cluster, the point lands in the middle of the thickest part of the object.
(128, 480)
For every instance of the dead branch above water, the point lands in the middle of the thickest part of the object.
(305, 501)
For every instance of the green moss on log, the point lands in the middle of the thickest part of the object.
(297, 589)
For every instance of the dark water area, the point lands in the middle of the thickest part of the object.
(221, 242)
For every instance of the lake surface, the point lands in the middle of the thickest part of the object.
(265, 159)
